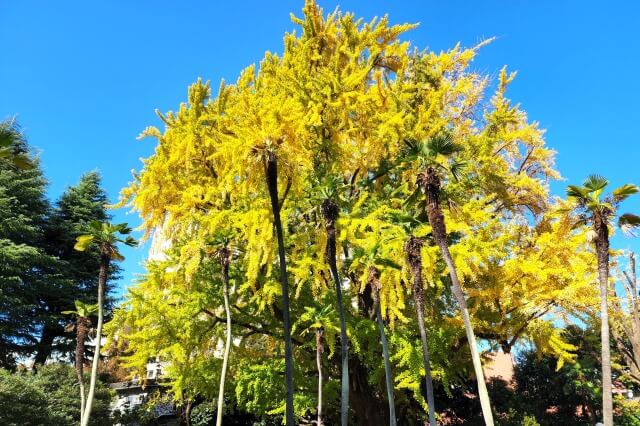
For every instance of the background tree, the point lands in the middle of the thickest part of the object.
(48, 396)
(76, 208)
(625, 327)
(598, 211)
(27, 270)
(9, 134)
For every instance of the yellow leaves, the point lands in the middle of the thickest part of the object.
(259, 243)
(548, 341)
(431, 270)
(83, 242)
(150, 131)
(341, 100)
(504, 80)
(392, 295)
(266, 295)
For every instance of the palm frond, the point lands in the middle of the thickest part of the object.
(578, 192)
(387, 263)
(130, 241)
(411, 151)
(457, 168)
(624, 191)
(629, 222)
(579, 222)
(443, 144)
(413, 198)
(595, 204)
(595, 182)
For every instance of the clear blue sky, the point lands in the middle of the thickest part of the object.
(84, 77)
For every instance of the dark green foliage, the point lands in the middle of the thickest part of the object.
(78, 206)
(571, 395)
(41, 274)
(48, 397)
(26, 269)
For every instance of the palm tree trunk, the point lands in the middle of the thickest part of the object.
(102, 281)
(82, 330)
(373, 281)
(319, 351)
(602, 249)
(271, 172)
(224, 260)
(330, 213)
(388, 374)
(414, 256)
(431, 184)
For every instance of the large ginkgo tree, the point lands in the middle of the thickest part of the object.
(324, 161)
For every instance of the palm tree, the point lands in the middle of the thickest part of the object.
(371, 258)
(271, 175)
(82, 326)
(330, 212)
(374, 283)
(598, 211)
(107, 237)
(322, 322)
(223, 252)
(436, 162)
(413, 248)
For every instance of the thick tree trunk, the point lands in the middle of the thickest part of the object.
(368, 407)
(364, 400)
(430, 182)
(82, 330)
(45, 345)
(602, 250)
(414, 257)
(330, 213)
(102, 281)
(319, 351)
(271, 172)
(374, 283)
(224, 261)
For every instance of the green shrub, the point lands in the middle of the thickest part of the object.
(49, 396)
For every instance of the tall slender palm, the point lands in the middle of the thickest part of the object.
(107, 237)
(374, 283)
(598, 210)
(371, 258)
(413, 248)
(82, 325)
(436, 162)
(330, 211)
(223, 252)
(322, 321)
(271, 175)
